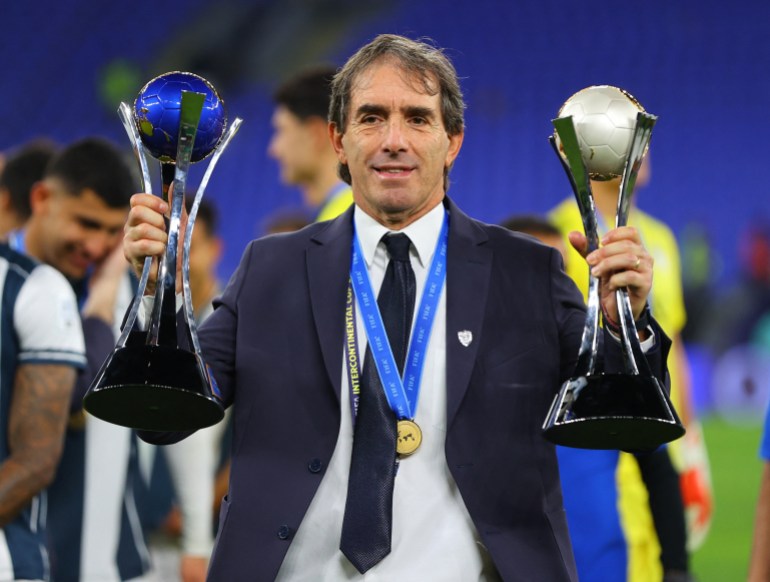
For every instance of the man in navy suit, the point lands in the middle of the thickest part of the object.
(480, 498)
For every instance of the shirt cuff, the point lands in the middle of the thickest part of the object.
(646, 345)
(145, 309)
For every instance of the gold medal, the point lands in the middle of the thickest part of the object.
(409, 437)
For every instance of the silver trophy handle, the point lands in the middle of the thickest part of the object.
(576, 171)
(126, 117)
(633, 356)
(186, 293)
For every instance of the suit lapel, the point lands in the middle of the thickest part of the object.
(328, 267)
(469, 263)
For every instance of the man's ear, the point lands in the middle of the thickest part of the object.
(455, 143)
(39, 197)
(336, 138)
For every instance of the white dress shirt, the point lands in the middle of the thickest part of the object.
(433, 536)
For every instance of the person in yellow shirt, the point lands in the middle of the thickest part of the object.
(654, 553)
(301, 145)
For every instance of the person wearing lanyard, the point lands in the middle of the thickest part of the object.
(318, 495)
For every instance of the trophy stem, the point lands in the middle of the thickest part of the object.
(164, 310)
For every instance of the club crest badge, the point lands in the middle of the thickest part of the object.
(465, 337)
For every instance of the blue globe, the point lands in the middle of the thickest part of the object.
(157, 111)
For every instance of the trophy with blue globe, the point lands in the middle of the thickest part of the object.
(603, 133)
(155, 378)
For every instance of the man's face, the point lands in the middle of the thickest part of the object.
(292, 145)
(79, 231)
(395, 145)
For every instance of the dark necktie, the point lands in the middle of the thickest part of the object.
(366, 527)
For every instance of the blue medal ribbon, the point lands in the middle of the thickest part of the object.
(351, 352)
(402, 394)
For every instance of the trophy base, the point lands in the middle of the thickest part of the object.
(154, 388)
(612, 411)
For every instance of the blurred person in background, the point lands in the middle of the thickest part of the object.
(744, 303)
(700, 266)
(300, 143)
(24, 167)
(76, 226)
(653, 487)
(206, 248)
(41, 351)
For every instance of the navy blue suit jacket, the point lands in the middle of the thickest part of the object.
(275, 345)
